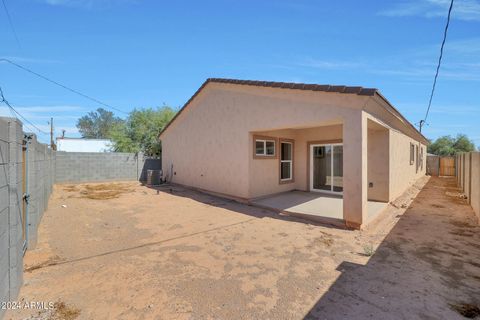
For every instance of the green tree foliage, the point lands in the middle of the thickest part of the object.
(97, 124)
(140, 131)
(448, 145)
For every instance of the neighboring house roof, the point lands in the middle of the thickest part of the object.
(361, 91)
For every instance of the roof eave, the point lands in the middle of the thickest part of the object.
(378, 94)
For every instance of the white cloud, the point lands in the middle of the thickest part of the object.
(329, 64)
(461, 62)
(42, 114)
(86, 3)
(468, 10)
(50, 109)
(447, 109)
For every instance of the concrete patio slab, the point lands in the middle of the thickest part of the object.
(315, 206)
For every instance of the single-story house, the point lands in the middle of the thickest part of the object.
(254, 140)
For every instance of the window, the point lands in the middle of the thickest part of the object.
(417, 157)
(421, 158)
(412, 153)
(265, 148)
(286, 161)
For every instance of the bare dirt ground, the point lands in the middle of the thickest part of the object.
(172, 253)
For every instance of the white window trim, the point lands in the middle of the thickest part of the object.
(264, 154)
(286, 161)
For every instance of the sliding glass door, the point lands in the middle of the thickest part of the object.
(326, 168)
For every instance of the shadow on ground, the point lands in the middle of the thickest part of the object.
(246, 209)
(427, 263)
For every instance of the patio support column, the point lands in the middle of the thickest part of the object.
(355, 169)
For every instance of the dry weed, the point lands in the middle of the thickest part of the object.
(104, 191)
(466, 309)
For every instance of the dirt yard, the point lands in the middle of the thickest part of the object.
(125, 251)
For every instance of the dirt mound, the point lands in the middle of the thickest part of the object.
(103, 191)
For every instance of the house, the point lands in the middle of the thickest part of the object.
(319, 147)
(83, 145)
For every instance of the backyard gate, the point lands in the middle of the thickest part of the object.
(447, 166)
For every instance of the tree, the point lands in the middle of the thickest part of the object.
(449, 146)
(140, 130)
(97, 124)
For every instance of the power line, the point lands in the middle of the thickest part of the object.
(11, 23)
(61, 85)
(14, 115)
(422, 122)
(2, 97)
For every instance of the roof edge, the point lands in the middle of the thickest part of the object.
(399, 114)
(361, 91)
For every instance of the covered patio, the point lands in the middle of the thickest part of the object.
(315, 206)
(337, 172)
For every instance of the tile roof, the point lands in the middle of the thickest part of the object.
(299, 86)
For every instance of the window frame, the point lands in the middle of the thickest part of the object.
(421, 157)
(264, 139)
(412, 153)
(291, 161)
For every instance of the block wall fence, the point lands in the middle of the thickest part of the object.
(74, 167)
(468, 178)
(28, 171)
(12, 241)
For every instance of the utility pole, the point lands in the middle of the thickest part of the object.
(51, 134)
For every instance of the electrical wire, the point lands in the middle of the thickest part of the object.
(11, 23)
(5, 101)
(422, 122)
(61, 85)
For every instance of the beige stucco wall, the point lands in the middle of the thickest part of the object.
(207, 144)
(264, 172)
(402, 173)
(378, 163)
(264, 178)
(210, 144)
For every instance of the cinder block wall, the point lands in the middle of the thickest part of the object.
(35, 177)
(74, 167)
(15, 215)
(5, 225)
(468, 178)
(12, 244)
(41, 174)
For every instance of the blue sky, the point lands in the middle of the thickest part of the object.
(133, 53)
